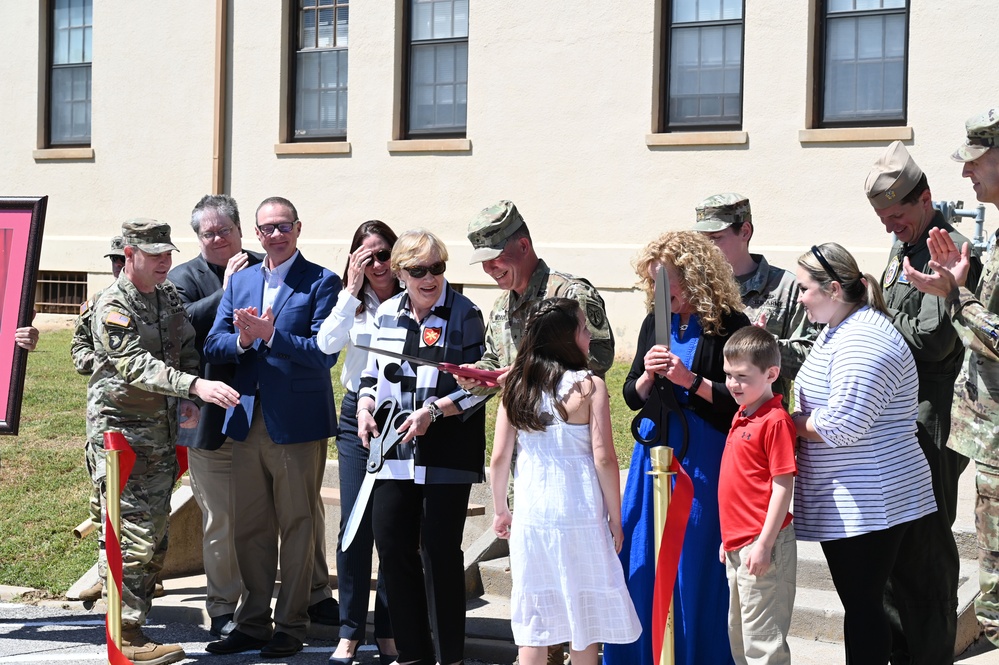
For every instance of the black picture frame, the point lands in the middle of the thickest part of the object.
(22, 220)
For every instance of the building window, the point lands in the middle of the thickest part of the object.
(437, 68)
(60, 292)
(69, 75)
(863, 67)
(320, 66)
(704, 65)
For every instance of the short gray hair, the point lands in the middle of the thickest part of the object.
(221, 204)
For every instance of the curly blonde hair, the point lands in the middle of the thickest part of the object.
(706, 277)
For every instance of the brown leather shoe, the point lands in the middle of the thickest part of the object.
(557, 655)
(93, 594)
(140, 649)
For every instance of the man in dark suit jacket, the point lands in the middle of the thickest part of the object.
(266, 325)
(200, 283)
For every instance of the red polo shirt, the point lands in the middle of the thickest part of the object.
(758, 448)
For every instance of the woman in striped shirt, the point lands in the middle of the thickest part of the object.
(862, 477)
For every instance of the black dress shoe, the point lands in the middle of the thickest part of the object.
(347, 660)
(219, 625)
(326, 612)
(236, 642)
(281, 645)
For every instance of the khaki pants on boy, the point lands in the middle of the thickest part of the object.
(759, 613)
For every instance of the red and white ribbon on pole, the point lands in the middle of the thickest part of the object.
(669, 554)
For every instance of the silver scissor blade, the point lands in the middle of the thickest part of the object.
(357, 512)
(664, 317)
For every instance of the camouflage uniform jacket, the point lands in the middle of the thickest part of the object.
(923, 321)
(82, 347)
(508, 318)
(145, 358)
(976, 393)
(773, 292)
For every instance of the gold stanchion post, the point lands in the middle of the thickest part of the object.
(113, 503)
(662, 458)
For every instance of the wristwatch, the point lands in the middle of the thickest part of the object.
(435, 411)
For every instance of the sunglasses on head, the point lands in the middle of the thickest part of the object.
(420, 271)
(382, 255)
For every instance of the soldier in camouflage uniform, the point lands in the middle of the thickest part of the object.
(144, 362)
(921, 596)
(82, 351)
(769, 293)
(975, 314)
(502, 244)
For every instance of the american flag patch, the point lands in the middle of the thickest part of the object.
(84, 306)
(118, 319)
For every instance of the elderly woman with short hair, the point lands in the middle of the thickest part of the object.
(421, 497)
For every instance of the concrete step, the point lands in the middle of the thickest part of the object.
(495, 575)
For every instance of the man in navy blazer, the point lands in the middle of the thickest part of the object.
(200, 283)
(266, 325)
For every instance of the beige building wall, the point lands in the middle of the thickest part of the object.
(560, 108)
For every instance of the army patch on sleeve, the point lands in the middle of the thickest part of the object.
(84, 306)
(115, 338)
(117, 319)
(595, 315)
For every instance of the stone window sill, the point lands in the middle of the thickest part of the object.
(56, 154)
(855, 134)
(430, 145)
(321, 148)
(696, 138)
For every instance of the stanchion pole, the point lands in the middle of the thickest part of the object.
(113, 503)
(662, 459)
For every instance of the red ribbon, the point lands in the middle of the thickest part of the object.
(126, 460)
(669, 554)
(181, 460)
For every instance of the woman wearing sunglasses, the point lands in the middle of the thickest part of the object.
(422, 493)
(370, 282)
(862, 477)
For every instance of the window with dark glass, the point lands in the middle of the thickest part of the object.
(863, 66)
(704, 65)
(320, 66)
(69, 75)
(437, 68)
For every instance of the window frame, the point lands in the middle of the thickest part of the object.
(294, 31)
(49, 31)
(820, 32)
(407, 133)
(663, 120)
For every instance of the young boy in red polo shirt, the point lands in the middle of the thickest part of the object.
(754, 492)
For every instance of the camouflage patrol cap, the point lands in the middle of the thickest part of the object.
(892, 177)
(721, 211)
(983, 133)
(117, 248)
(491, 228)
(149, 235)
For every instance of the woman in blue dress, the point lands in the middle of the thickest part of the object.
(706, 310)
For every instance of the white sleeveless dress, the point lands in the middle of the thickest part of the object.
(568, 585)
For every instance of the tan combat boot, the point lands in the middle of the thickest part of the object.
(140, 649)
(92, 594)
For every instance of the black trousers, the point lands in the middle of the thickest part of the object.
(860, 567)
(418, 530)
(353, 567)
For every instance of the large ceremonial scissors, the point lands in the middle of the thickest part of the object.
(662, 400)
(389, 416)
(486, 377)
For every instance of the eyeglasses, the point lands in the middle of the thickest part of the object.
(825, 265)
(383, 255)
(208, 236)
(283, 227)
(417, 272)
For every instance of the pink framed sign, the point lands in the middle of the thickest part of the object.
(21, 223)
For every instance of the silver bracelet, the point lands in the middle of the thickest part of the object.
(435, 412)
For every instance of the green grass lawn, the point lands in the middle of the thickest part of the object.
(44, 487)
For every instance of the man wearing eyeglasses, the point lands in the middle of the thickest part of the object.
(266, 327)
(921, 597)
(200, 283)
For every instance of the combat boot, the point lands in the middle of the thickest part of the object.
(141, 650)
(92, 594)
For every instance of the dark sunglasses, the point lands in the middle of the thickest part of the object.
(382, 255)
(825, 265)
(420, 271)
(269, 229)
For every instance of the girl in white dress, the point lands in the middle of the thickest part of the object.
(568, 585)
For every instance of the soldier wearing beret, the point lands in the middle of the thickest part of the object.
(144, 362)
(921, 596)
(769, 293)
(975, 314)
(82, 351)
